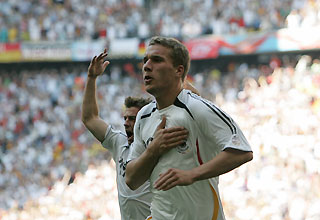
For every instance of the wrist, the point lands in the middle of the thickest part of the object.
(194, 175)
(92, 76)
(152, 152)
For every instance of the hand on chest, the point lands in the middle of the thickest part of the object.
(174, 118)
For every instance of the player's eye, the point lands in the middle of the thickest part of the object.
(132, 118)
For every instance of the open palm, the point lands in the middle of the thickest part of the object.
(98, 65)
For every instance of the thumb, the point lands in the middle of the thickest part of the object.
(162, 123)
(105, 64)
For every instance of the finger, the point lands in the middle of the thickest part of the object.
(100, 55)
(166, 182)
(176, 140)
(169, 138)
(174, 135)
(162, 123)
(169, 186)
(104, 55)
(105, 64)
(176, 129)
(174, 144)
(93, 59)
(171, 134)
(162, 179)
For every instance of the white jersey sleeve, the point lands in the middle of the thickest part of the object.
(113, 139)
(219, 126)
(217, 130)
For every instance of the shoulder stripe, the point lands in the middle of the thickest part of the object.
(222, 115)
(178, 103)
(148, 115)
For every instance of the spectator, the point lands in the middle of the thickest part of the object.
(70, 20)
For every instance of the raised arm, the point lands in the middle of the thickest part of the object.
(90, 110)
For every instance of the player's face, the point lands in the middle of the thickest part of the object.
(129, 120)
(159, 74)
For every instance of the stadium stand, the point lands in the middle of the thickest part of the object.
(77, 20)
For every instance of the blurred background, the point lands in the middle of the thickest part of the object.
(257, 60)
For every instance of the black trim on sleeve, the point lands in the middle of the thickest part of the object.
(222, 115)
(148, 115)
(178, 103)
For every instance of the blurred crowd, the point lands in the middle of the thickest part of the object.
(70, 20)
(92, 195)
(52, 168)
(41, 132)
(280, 115)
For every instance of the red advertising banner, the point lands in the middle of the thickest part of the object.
(10, 52)
(202, 48)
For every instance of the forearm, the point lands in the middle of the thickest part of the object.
(90, 111)
(222, 163)
(89, 104)
(138, 171)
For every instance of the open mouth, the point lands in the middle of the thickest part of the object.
(129, 134)
(147, 79)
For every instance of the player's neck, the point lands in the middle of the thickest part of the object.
(167, 98)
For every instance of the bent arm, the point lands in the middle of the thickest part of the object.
(224, 162)
(139, 170)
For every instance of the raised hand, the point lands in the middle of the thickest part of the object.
(98, 65)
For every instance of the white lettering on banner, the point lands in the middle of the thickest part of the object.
(85, 50)
(46, 51)
(124, 47)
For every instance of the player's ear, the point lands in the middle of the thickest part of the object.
(180, 71)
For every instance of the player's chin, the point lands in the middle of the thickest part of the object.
(129, 136)
(147, 87)
(151, 89)
(130, 139)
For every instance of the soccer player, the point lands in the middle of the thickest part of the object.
(184, 179)
(134, 205)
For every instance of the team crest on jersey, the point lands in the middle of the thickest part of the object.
(183, 149)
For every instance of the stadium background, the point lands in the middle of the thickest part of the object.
(258, 60)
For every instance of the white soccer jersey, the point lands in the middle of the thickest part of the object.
(134, 205)
(210, 131)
